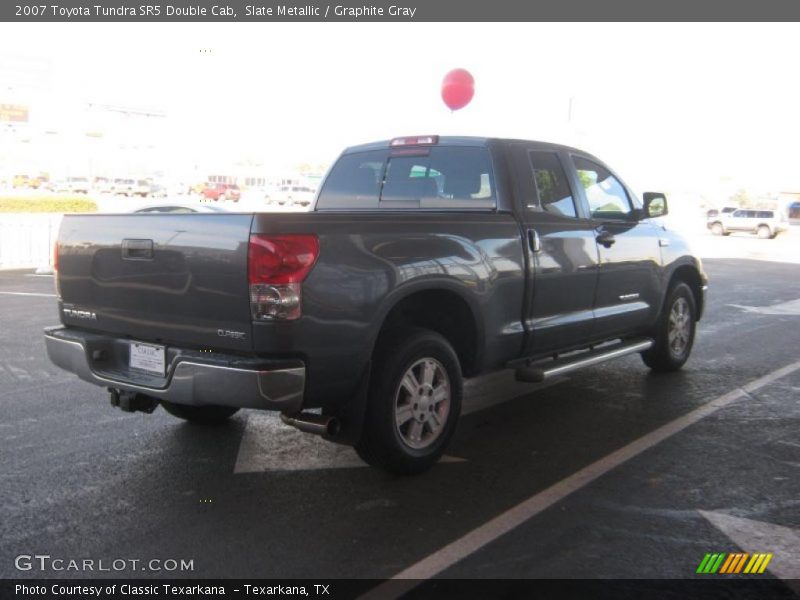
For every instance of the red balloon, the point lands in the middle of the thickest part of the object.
(458, 88)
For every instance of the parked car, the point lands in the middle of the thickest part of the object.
(176, 208)
(157, 190)
(424, 260)
(197, 188)
(123, 187)
(298, 195)
(74, 185)
(33, 183)
(765, 224)
(102, 185)
(20, 181)
(141, 188)
(222, 191)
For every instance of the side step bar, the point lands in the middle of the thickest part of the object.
(540, 372)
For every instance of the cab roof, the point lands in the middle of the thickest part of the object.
(448, 140)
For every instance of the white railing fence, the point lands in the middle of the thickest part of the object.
(27, 240)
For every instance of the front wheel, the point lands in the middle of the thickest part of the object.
(764, 232)
(717, 229)
(204, 415)
(675, 331)
(413, 404)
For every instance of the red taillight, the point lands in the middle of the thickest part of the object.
(277, 266)
(55, 270)
(282, 258)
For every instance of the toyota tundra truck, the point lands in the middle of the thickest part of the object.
(424, 261)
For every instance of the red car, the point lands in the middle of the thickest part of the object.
(222, 191)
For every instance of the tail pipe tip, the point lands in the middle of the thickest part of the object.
(312, 423)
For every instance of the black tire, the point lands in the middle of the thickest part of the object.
(384, 443)
(663, 356)
(203, 415)
(717, 228)
(764, 232)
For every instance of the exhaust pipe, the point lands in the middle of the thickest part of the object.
(312, 423)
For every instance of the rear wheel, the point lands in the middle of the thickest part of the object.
(414, 402)
(675, 333)
(204, 415)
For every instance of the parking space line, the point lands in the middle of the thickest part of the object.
(490, 531)
(28, 294)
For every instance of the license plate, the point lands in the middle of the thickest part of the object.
(147, 358)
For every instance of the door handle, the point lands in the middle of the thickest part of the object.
(534, 242)
(605, 238)
(137, 249)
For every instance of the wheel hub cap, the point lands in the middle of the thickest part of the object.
(680, 327)
(422, 403)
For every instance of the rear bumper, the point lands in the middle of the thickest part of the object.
(192, 377)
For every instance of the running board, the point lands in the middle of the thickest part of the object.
(541, 372)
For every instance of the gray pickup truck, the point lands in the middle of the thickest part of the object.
(425, 260)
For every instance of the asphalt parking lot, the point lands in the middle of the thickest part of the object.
(607, 480)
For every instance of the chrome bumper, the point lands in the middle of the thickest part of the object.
(190, 379)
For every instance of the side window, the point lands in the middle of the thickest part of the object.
(605, 194)
(551, 184)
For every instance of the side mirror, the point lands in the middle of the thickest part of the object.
(655, 205)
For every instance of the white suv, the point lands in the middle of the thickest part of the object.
(298, 195)
(764, 223)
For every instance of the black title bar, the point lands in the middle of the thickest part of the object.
(242, 11)
(746, 588)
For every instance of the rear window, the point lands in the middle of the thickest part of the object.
(436, 177)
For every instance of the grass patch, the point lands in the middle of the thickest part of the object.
(46, 204)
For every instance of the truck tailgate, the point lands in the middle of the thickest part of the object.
(173, 279)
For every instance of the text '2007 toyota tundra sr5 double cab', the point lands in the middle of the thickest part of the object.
(425, 260)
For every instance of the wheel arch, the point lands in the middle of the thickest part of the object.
(689, 273)
(442, 307)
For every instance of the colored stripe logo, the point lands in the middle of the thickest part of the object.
(734, 563)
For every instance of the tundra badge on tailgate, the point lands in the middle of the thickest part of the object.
(79, 314)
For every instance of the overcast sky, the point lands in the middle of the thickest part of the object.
(664, 104)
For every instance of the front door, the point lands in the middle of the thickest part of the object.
(628, 285)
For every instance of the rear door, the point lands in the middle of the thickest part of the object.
(562, 255)
(628, 283)
(738, 221)
(165, 278)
